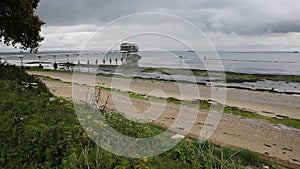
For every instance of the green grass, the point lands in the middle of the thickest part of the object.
(39, 130)
(48, 78)
(205, 105)
(202, 104)
(189, 153)
(286, 121)
(33, 121)
(295, 123)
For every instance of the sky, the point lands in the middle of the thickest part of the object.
(227, 25)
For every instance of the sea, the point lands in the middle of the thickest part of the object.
(281, 63)
(274, 63)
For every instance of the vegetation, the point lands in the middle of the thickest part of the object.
(39, 130)
(231, 77)
(19, 24)
(203, 104)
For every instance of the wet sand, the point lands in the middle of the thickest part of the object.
(264, 103)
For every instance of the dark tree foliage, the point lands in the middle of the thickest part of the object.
(19, 24)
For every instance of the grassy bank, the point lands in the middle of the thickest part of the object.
(39, 130)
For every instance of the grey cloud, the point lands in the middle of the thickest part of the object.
(284, 26)
(227, 16)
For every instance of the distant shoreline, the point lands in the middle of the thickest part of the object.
(80, 51)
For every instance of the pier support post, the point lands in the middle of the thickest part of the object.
(54, 58)
(55, 66)
(88, 64)
(40, 61)
(68, 63)
(78, 62)
(21, 59)
(67, 58)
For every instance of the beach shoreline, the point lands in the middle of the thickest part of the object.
(270, 141)
(263, 103)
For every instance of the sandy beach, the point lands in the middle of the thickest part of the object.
(276, 142)
(264, 103)
(146, 84)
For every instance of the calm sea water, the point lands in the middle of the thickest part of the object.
(262, 63)
(241, 62)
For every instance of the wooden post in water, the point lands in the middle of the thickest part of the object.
(116, 57)
(40, 61)
(68, 63)
(54, 58)
(67, 58)
(55, 66)
(88, 64)
(21, 58)
(78, 62)
(124, 57)
(121, 57)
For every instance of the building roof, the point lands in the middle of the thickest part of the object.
(130, 47)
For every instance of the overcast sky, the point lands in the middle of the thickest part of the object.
(231, 25)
